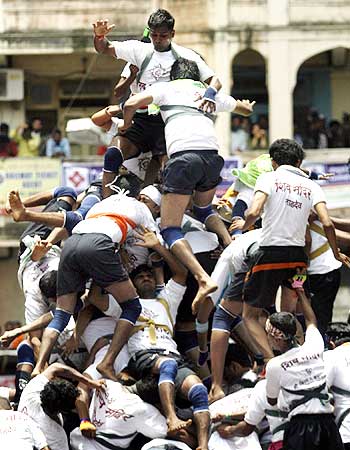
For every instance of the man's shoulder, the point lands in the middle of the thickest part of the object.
(186, 52)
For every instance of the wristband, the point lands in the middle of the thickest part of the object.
(85, 419)
(313, 175)
(100, 38)
(210, 94)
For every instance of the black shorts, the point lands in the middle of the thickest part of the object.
(312, 432)
(234, 291)
(271, 267)
(85, 256)
(142, 363)
(184, 312)
(197, 170)
(147, 134)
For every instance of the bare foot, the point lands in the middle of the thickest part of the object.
(205, 288)
(216, 393)
(107, 372)
(174, 425)
(18, 210)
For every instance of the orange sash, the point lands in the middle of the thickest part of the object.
(118, 219)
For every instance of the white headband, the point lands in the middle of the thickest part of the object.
(153, 193)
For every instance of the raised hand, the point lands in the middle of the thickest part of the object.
(148, 238)
(101, 28)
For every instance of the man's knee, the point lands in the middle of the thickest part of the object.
(202, 213)
(113, 159)
(171, 235)
(198, 396)
(167, 371)
(131, 309)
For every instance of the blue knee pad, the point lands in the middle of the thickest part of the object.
(171, 235)
(239, 209)
(167, 371)
(25, 354)
(65, 191)
(72, 218)
(198, 396)
(113, 159)
(202, 213)
(60, 320)
(225, 321)
(131, 309)
(88, 202)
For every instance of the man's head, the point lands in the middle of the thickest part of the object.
(184, 69)
(144, 281)
(237, 362)
(36, 124)
(152, 198)
(161, 25)
(286, 151)
(48, 284)
(281, 329)
(58, 396)
(56, 135)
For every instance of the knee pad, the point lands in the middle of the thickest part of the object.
(239, 209)
(167, 371)
(25, 354)
(171, 235)
(113, 309)
(202, 327)
(60, 320)
(207, 382)
(202, 213)
(113, 159)
(198, 396)
(72, 218)
(186, 340)
(88, 202)
(225, 321)
(131, 309)
(65, 191)
(21, 381)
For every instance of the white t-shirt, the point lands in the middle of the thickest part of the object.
(162, 443)
(291, 196)
(337, 363)
(198, 237)
(115, 205)
(232, 260)
(325, 262)
(158, 69)
(259, 407)
(30, 404)
(118, 416)
(19, 431)
(185, 131)
(35, 303)
(154, 310)
(301, 368)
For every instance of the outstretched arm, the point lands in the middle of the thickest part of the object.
(102, 45)
(131, 105)
(38, 324)
(244, 107)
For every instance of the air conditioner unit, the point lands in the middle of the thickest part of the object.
(11, 84)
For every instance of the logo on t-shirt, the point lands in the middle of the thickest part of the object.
(159, 72)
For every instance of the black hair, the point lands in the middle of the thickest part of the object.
(147, 389)
(56, 130)
(285, 322)
(58, 396)
(161, 18)
(184, 69)
(4, 128)
(130, 182)
(337, 331)
(286, 151)
(48, 284)
(237, 353)
(139, 269)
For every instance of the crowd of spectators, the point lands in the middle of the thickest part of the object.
(312, 132)
(29, 140)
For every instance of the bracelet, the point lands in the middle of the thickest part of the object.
(100, 38)
(84, 419)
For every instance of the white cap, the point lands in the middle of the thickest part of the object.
(153, 193)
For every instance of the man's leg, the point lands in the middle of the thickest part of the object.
(113, 159)
(64, 310)
(24, 368)
(197, 394)
(125, 294)
(251, 316)
(171, 218)
(22, 214)
(167, 369)
(203, 211)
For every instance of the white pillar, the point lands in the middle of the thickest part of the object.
(281, 81)
(222, 66)
(278, 12)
